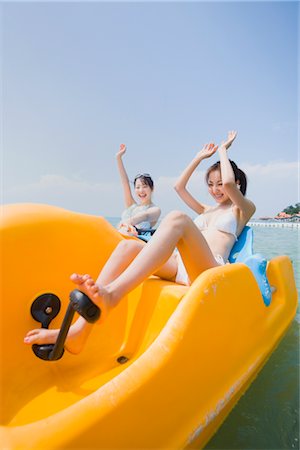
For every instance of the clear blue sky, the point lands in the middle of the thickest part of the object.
(164, 78)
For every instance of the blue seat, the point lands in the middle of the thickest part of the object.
(144, 237)
(145, 234)
(242, 251)
(243, 246)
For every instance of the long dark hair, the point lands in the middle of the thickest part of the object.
(239, 175)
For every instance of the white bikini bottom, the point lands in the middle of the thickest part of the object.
(182, 275)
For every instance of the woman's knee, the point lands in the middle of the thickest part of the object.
(130, 246)
(177, 218)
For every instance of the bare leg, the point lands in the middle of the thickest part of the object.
(75, 341)
(177, 229)
(119, 260)
(77, 335)
(119, 277)
(121, 257)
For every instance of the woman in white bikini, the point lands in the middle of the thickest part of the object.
(202, 244)
(222, 223)
(141, 215)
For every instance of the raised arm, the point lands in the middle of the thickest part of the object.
(245, 206)
(180, 186)
(128, 198)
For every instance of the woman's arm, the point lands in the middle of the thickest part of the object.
(128, 198)
(180, 186)
(246, 207)
(149, 215)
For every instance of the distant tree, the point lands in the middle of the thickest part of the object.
(292, 209)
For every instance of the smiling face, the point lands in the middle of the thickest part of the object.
(215, 187)
(143, 191)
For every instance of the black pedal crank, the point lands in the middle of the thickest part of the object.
(47, 306)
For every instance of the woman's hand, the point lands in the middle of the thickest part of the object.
(230, 138)
(122, 151)
(127, 230)
(181, 184)
(207, 151)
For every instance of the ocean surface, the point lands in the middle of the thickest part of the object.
(267, 415)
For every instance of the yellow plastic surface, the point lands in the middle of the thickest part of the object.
(192, 351)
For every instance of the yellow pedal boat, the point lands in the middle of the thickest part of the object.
(163, 371)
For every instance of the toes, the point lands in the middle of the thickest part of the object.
(94, 289)
(90, 282)
(79, 279)
(32, 333)
(86, 277)
(76, 278)
(29, 338)
(91, 286)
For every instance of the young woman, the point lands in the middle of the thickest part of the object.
(202, 244)
(141, 215)
(222, 223)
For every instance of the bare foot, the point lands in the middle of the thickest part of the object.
(76, 338)
(98, 294)
(41, 336)
(80, 330)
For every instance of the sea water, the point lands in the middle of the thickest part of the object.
(267, 415)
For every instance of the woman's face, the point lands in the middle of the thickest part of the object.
(215, 187)
(143, 192)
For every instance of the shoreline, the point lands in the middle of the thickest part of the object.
(275, 224)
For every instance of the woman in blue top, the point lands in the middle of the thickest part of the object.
(144, 214)
(202, 245)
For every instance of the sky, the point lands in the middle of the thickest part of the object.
(79, 78)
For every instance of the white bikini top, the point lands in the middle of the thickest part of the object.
(226, 222)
